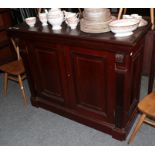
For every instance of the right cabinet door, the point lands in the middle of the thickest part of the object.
(91, 75)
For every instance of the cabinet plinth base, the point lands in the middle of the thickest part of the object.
(116, 133)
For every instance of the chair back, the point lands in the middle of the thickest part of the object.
(16, 47)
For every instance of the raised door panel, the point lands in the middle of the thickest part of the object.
(48, 69)
(92, 78)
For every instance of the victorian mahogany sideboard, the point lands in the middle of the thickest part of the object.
(93, 79)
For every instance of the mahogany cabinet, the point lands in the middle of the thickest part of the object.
(91, 78)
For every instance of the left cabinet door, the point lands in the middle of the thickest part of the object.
(48, 71)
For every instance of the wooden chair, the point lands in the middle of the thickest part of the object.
(123, 11)
(14, 71)
(147, 107)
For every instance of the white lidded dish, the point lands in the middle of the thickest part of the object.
(56, 23)
(124, 27)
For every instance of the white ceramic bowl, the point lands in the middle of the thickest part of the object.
(123, 27)
(30, 21)
(70, 14)
(136, 16)
(127, 16)
(73, 26)
(56, 22)
(72, 20)
(43, 18)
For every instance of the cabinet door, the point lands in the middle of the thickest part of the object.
(92, 78)
(47, 65)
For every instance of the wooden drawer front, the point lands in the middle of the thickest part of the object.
(3, 36)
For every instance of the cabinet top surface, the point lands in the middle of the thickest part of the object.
(77, 33)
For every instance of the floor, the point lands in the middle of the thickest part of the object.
(36, 126)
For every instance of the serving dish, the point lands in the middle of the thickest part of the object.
(123, 27)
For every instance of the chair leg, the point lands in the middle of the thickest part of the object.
(140, 122)
(152, 17)
(120, 13)
(22, 89)
(5, 83)
(125, 10)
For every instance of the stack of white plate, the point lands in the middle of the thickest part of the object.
(95, 20)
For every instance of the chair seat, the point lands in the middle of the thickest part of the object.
(14, 67)
(147, 105)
